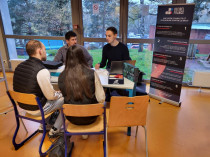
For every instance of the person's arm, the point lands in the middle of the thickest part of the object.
(58, 57)
(88, 57)
(104, 59)
(99, 91)
(126, 55)
(61, 83)
(43, 79)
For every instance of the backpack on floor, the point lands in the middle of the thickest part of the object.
(58, 149)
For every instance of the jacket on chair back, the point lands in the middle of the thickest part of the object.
(25, 81)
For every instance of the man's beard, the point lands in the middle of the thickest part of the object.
(44, 58)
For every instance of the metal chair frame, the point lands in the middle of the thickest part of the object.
(42, 121)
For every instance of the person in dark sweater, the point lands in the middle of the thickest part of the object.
(113, 51)
(79, 84)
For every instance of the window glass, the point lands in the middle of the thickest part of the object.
(201, 20)
(142, 53)
(98, 15)
(197, 59)
(37, 17)
(142, 16)
(95, 49)
(52, 47)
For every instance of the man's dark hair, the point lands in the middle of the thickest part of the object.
(113, 29)
(70, 34)
(32, 46)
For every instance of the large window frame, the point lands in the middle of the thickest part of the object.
(77, 20)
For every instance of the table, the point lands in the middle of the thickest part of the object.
(103, 75)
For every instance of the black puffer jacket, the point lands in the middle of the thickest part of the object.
(25, 80)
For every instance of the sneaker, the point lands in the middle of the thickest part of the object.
(84, 137)
(54, 132)
(40, 129)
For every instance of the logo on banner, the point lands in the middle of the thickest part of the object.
(95, 8)
(169, 12)
(177, 10)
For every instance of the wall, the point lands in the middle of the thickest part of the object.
(3, 51)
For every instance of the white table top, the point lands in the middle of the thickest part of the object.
(103, 75)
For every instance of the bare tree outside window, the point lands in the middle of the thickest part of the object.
(96, 22)
(40, 17)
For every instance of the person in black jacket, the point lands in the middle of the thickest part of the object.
(80, 84)
(113, 51)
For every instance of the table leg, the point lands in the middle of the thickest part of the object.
(130, 95)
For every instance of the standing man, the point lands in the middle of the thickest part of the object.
(113, 51)
(31, 76)
(71, 39)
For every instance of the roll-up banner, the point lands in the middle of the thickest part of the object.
(170, 50)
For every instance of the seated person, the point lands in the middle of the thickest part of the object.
(71, 39)
(113, 51)
(32, 77)
(80, 84)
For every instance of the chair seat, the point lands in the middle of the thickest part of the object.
(37, 117)
(94, 127)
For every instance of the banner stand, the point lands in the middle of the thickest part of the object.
(162, 100)
(171, 43)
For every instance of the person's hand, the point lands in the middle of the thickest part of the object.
(58, 94)
(97, 66)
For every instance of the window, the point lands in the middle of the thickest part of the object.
(95, 49)
(42, 18)
(142, 53)
(197, 60)
(201, 20)
(24, 19)
(142, 18)
(51, 46)
(98, 15)
(200, 30)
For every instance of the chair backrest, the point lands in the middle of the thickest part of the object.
(132, 62)
(83, 110)
(29, 99)
(128, 111)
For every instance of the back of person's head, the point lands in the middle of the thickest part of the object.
(113, 29)
(76, 81)
(32, 46)
(70, 34)
(75, 57)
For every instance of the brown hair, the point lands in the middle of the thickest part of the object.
(32, 46)
(76, 82)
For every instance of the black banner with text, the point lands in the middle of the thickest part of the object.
(170, 50)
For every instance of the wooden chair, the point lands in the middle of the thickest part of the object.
(132, 62)
(129, 111)
(98, 127)
(29, 99)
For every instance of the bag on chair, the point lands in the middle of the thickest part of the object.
(58, 149)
